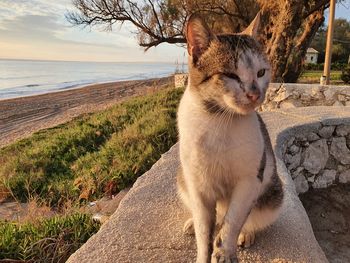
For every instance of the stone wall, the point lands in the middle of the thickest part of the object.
(180, 80)
(319, 158)
(147, 226)
(293, 95)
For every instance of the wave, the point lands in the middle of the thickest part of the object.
(23, 78)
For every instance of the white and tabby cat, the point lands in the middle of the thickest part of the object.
(228, 172)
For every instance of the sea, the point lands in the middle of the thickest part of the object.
(19, 78)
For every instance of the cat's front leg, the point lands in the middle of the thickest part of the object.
(241, 202)
(203, 212)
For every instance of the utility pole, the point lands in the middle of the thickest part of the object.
(327, 63)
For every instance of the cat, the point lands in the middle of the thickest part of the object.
(227, 176)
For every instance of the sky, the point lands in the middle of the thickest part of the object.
(37, 29)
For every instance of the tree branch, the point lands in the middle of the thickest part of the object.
(172, 40)
(156, 17)
(318, 5)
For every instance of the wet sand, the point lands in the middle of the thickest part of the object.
(21, 117)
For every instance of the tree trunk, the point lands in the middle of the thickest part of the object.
(283, 20)
(295, 61)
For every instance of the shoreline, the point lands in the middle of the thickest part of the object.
(21, 117)
(78, 86)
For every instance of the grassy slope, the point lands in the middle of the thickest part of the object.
(100, 152)
(313, 76)
(81, 159)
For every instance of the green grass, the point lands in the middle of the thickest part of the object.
(93, 154)
(83, 159)
(49, 240)
(313, 76)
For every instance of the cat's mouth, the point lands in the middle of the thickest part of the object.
(242, 107)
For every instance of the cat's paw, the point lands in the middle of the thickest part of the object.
(189, 227)
(219, 256)
(246, 239)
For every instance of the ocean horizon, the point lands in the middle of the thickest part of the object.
(21, 78)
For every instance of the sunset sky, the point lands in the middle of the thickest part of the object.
(37, 29)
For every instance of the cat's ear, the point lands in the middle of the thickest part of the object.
(198, 36)
(252, 29)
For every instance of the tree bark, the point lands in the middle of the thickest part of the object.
(295, 62)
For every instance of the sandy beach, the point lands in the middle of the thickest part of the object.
(21, 117)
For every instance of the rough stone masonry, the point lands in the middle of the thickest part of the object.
(320, 158)
(294, 95)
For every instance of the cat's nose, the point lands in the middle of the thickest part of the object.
(253, 96)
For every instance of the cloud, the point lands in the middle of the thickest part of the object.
(14, 8)
(33, 20)
(37, 29)
(30, 26)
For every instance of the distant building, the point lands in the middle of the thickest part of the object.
(311, 56)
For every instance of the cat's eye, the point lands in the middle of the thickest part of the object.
(261, 73)
(232, 76)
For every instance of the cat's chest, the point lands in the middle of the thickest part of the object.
(237, 136)
(223, 151)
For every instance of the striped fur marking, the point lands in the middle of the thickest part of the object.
(262, 167)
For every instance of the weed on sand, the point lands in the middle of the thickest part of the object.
(48, 240)
(93, 154)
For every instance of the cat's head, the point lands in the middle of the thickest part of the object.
(229, 72)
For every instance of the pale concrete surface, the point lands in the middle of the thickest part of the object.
(147, 226)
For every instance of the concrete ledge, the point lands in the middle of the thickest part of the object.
(147, 227)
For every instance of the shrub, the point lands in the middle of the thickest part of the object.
(345, 75)
(320, 66)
